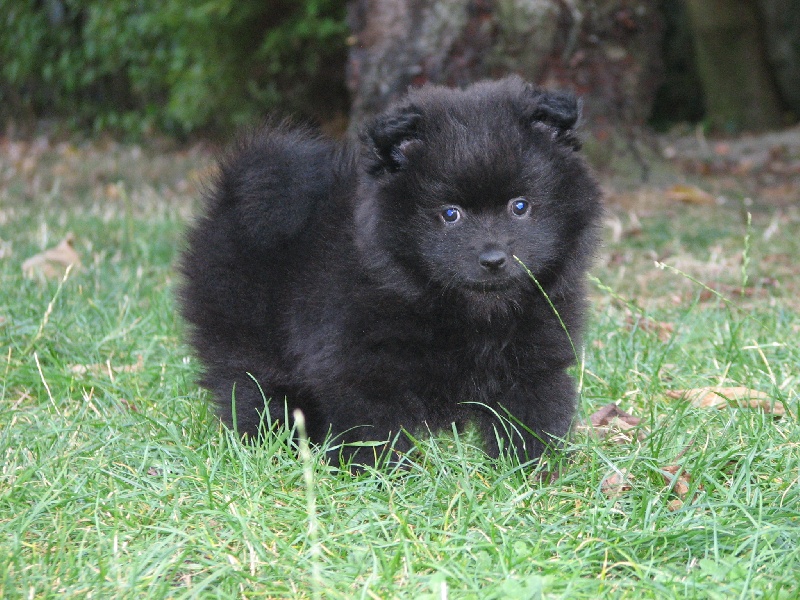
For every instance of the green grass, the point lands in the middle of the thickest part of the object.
(117, 482)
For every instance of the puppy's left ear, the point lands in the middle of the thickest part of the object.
(558, 110)
(391, 136)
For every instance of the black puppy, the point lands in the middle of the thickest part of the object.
(431, 274)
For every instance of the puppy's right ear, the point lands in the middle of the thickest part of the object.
(391, 137)
(557, 110)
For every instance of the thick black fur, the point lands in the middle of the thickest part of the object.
(329, 274)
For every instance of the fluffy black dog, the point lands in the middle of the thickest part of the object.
(379, 286)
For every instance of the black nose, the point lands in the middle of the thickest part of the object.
(493, 260)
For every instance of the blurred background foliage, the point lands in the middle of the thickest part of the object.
(137, 67)
(177, 67)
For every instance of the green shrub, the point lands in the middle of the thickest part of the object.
(177, 66)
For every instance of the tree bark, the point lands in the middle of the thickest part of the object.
(781, 26)
(608, 51)
(731, 59)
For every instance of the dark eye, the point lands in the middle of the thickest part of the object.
(519, 206)
(450, 214)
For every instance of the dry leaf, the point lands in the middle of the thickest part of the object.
(679, 483)
(609, 422)
(128, 404)
(681, 486)
(53, 262)
(616, 483)
(689, 194)
(729, 397)
(611, 411)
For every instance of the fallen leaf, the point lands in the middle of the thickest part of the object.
(729, 397)
(681, 486)
(679, 480)
(53, 262)
(616, 483)
(128, 404)
(689, 194)
(609, 422)
(610, 411)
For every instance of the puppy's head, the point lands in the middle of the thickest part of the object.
(463, 187)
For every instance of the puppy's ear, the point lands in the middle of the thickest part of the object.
(555, 109)
(391, 136)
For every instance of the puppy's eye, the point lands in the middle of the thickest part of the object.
(450, 214)
(519, 206)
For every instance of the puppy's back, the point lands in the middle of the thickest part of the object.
(272, 181)
(242, 250)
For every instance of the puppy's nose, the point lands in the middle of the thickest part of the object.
(493, 260)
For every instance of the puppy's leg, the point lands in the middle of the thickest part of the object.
(372, 433)
(246, 405)
(531, 419)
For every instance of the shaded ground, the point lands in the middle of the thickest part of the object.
(710, 208)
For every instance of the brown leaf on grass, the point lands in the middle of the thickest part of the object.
(128, 405)
(108, 368)
(616, 483)
(689, 194)
(611, 411)
(729, 397)
(53, 262)
(679, 486)
(679, 480)
(609, 422)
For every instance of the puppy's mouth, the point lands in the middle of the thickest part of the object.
(488, 286)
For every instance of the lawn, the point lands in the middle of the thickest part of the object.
(118, 482)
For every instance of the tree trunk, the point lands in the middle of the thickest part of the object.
(731, 59)
(781, 19)
(606, 50)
